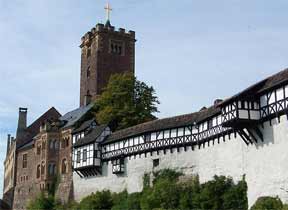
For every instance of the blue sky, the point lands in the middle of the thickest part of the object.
(191, 51)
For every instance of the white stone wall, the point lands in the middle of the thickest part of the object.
(265, 165)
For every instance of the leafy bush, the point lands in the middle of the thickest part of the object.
(166, 174)
(97, 201)
(267, 203)
(190, 194)
(222, 193)
(42, 202)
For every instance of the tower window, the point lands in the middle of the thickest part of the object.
(116, 47)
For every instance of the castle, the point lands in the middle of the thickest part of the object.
(245, 134)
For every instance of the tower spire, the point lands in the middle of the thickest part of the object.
(108, 11)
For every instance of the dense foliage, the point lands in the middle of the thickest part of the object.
(125, 102)
(169, 190)
(42, 202)
(268, 203)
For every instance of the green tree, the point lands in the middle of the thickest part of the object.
(267, 203)
(125, 102)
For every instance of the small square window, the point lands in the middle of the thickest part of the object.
(155, 163)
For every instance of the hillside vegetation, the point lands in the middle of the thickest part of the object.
(169, 191)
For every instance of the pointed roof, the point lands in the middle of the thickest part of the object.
(33, 129)
(74, 116)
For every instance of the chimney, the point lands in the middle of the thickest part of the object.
(22, 122)
(217, 101)
(8, 142)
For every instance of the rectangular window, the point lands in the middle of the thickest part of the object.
(210, 124)
(118, 166)
(84, 155)
(78, 156)
(147, 137)
(24, 161)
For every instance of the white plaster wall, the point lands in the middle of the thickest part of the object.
(265, 165)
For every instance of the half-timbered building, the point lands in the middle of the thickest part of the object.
(230, 138)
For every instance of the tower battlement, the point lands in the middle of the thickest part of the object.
(101, 28)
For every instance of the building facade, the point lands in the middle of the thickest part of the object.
(243, 135)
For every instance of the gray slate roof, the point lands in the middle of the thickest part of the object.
(166, 123)
(90, 137)
(84, 126)
(73, 116)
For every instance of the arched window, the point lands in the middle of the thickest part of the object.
(42, 168)
(52, 169)
(38, 171)
(67, 142)
(64, 166)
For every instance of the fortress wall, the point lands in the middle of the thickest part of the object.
(265, 165)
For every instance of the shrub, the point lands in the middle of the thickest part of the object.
(120, 200)
(222, 193)
(166, 174)
(164, 193)
(41, 202)
(267, 203)
(97, 201)
(189, 195)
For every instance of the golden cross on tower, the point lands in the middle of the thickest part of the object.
(108, 10)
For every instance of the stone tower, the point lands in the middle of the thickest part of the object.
(104, 51)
